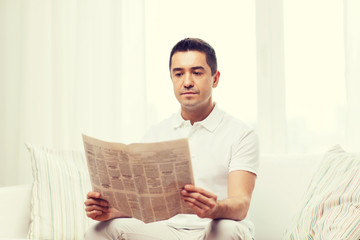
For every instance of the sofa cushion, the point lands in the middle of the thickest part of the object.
(330, 209)
(61, 182)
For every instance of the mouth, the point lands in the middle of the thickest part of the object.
(188, 93)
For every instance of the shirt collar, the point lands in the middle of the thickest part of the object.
(210, 122)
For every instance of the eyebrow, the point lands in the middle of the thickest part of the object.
(193, 68)
(198, 68)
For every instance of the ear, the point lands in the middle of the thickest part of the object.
(216, 78)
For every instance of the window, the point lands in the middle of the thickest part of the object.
(314, 73)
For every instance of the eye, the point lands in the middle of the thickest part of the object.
(178, 74)
(197, 73)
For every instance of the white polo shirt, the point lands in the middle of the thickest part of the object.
(218, 145)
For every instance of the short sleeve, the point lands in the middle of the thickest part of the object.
(245, 153)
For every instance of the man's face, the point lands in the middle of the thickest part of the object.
(192, 80)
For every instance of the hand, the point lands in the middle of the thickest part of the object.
(98, 208)
(203, 202)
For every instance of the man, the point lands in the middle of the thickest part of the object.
(224, 155)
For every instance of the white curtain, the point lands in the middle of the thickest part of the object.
(352, 58)
(66, 68)
(270, 76)
(308, 75)
(291, 69)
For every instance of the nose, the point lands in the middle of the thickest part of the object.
(188, 81)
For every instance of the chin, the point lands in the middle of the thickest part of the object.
(189, 104)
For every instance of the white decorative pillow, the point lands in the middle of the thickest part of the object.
(331, 207)
(61, 182)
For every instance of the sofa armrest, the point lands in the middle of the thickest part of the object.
(282, 182)
(15, 205)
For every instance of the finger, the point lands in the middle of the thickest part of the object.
(192, 188)
(93, 195)
(97, 208)
(195, 207)
(202, 213)
(193, 202)
(194, 195)
(197, 198)
(94, 214)
(92, 201)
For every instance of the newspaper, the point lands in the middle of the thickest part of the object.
(141, 180)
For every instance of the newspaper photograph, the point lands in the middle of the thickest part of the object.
(141, 180)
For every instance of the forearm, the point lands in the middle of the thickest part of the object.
(240, 188)
(235, 208)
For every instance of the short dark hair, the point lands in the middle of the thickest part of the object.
(196, 44)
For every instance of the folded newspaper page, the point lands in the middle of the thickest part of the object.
(141, 180)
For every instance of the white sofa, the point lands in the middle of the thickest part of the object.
(282, 182)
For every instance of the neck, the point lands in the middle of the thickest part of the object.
(196, 115)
